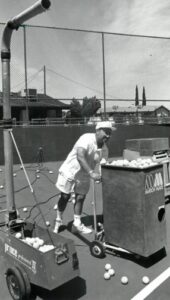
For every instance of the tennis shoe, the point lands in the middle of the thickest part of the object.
(82, 228)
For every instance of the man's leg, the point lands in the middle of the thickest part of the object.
(62, 203)
(78, 208)
(65, 186)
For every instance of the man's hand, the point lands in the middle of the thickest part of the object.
(95, 176)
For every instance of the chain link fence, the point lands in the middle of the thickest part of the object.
(68, 63)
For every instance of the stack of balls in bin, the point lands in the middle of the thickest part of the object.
(135, 163)
(35, 242)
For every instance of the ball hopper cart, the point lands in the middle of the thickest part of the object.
(133, 212)
(25, 264)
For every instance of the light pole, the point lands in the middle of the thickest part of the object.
(104, 81)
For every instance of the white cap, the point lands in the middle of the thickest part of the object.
(105, 124)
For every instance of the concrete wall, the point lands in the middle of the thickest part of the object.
(57, 141)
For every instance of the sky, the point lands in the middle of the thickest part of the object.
(73, 59)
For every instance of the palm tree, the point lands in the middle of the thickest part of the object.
(136, 96)
(143, 97)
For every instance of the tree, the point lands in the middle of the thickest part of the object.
(80, 112)
(75, 108)
(90, 106)
(143, 97)
(136, 96)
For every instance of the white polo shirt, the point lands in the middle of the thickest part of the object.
(71, 165)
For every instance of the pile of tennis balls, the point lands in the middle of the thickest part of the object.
(35, 242)
(135, 163)
(109, 271)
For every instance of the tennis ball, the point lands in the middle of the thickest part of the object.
(107, 267)
(145, 279)
(106, 275)
(111, 272)
(18, 235)
(124, 280)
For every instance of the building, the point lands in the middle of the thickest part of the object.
(137, 114)
(33, 106)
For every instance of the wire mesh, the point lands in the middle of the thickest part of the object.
(68, 63)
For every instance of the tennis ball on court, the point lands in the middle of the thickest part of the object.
(107, 267)
(124, 280)
(111, 272)
(47, 223)
(25, 209)
(145, 279)
(38, 176)
(106, 275)
(50, 172)
(55, 206)
(1, 187)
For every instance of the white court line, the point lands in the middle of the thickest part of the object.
(146, 291)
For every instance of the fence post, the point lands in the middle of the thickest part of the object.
(26, 78)
(104, 81)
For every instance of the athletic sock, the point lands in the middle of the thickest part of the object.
(59, 215)
(77, 220)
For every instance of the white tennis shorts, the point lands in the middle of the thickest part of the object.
(80, 185)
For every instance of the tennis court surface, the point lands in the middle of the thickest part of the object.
(90, 285)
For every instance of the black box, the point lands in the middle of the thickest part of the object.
(134, 208)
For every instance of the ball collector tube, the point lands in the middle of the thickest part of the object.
(13, 24)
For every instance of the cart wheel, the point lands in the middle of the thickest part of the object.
(26, 282)
(97, 249)
(17, 284)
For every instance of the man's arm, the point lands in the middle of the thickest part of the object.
(81, 156)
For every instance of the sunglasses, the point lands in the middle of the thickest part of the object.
(107, 132)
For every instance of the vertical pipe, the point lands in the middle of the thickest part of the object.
(26, 78)
(8, 153)
(44, 71)
(94, 207)
(104, 81)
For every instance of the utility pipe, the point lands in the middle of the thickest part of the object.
(39, 7)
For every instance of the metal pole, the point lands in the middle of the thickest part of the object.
(104, 81)
(26, 79)
(8, 154)
(45, 91)
(94, 207)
